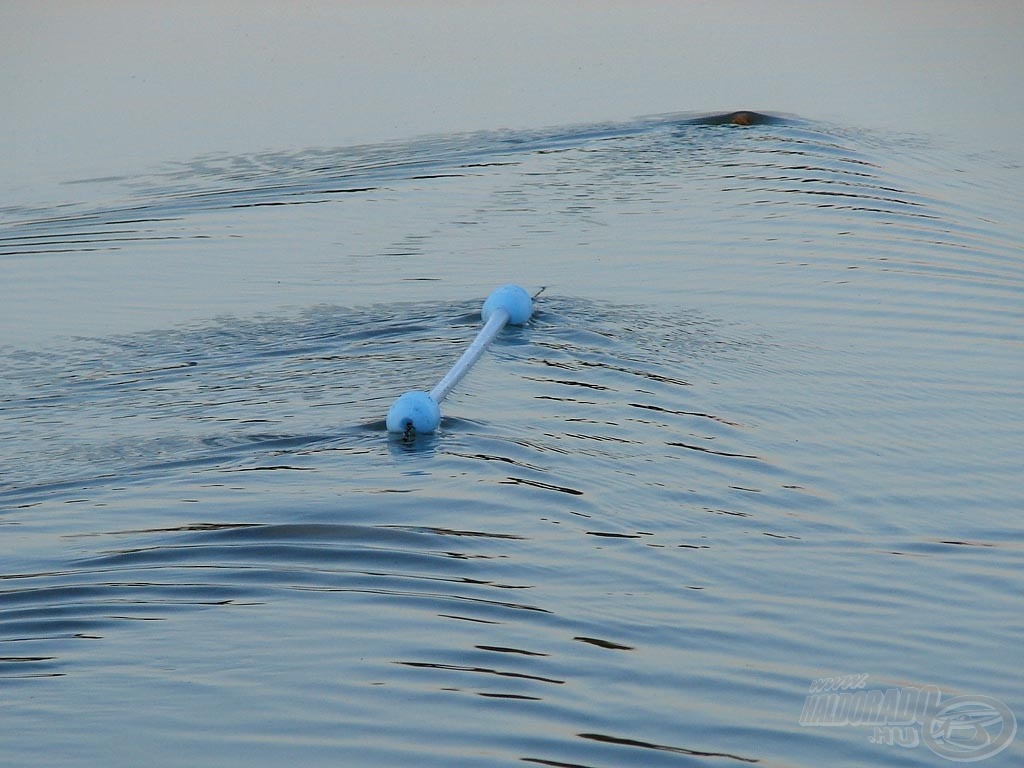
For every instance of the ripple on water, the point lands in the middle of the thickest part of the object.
(643, 528)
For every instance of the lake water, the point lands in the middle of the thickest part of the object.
(763, 429)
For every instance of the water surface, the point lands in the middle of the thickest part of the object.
(761, 430)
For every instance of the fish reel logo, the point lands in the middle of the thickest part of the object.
(963, 729)
(969, 728)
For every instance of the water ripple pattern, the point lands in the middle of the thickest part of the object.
(760, 431)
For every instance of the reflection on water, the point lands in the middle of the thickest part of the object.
(759, 432)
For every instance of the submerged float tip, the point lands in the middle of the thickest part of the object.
(417, 410)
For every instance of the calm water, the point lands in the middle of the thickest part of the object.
(763, 429)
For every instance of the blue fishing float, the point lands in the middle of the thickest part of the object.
(420, 412)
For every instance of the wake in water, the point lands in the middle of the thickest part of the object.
(755, 434)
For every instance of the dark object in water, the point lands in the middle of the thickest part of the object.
(736, 118)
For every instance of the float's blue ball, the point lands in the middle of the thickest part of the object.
(415, 408)
(513, 299)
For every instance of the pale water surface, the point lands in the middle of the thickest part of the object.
(764, 428)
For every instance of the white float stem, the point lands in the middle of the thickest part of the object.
(417, 411)
(491, 328)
